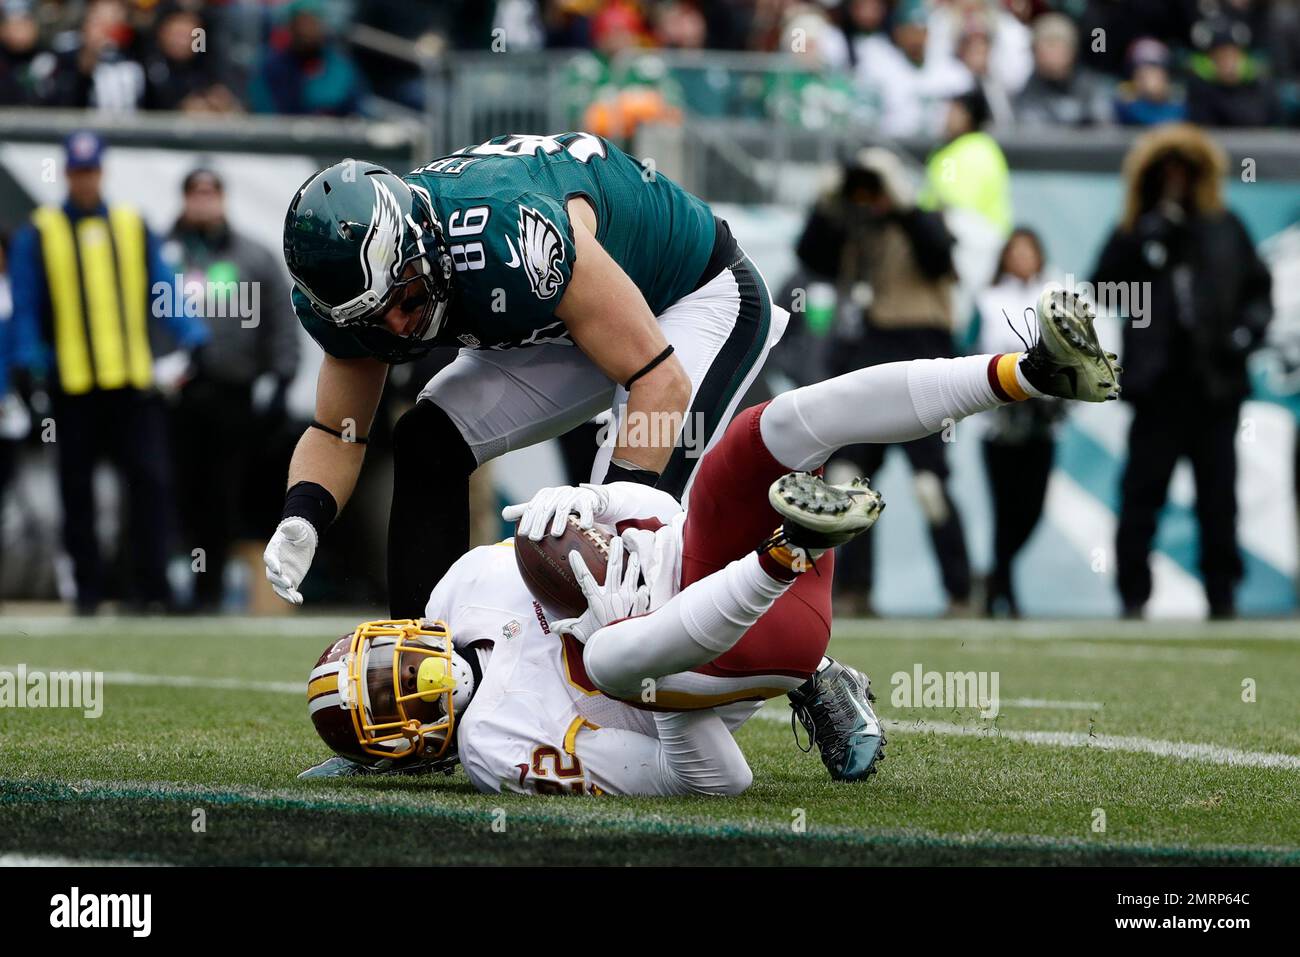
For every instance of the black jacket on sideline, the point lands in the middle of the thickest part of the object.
(1208, 307)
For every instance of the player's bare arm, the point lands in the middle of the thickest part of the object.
(347, 393)
(610, 321)
(324, 468)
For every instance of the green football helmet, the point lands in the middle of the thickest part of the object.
(359, 239)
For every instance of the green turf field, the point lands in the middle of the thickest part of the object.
(1142, 723)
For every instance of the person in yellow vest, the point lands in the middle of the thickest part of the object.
(90, 292)
(969, 171)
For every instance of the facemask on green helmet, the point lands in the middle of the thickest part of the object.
(359, 240)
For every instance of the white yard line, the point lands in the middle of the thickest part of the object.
(1051, 705)
(179, 681)
(1185, 750)
(188, 681)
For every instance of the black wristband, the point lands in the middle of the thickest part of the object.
(312, 502)
(648, 367)
(622, 473)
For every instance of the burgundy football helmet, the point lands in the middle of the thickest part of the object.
(387, 694)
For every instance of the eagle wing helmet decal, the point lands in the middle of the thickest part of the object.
(384, 237)
(541, 250)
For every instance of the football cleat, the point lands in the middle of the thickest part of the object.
(341, 767)
(1067, 361)
(336, 767)
(818, 515)
(834, 706)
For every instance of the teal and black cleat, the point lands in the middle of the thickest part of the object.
(341, 767)
(818, 515)
(834, 705)
(1068, 361)
(335, 767)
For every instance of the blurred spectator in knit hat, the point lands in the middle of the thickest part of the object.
(618, 27)
(1228, 85)
(911, 88)
(1253, 13)
(309, 73)
(808, 32)
(974, 49)
(681, 26)
(179, 73)
(1060, 92)
(25, 68)
(1149, 96)
(860, 20)
(1010, 60)
(818, 94)
(100, 71)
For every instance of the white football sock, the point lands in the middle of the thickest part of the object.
(697, 625)
(894, 402)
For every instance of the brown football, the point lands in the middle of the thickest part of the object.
(545, 567)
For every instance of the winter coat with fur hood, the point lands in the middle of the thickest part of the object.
(1190, 269)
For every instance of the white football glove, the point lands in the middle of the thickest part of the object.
(618, 598)
(288, 555)
(552, 506)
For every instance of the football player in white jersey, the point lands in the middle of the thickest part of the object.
(714, 613)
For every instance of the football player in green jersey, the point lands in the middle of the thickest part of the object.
(575, 278)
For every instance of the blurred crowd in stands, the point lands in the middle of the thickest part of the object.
(887, 63)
